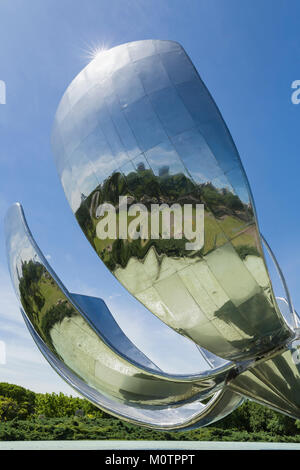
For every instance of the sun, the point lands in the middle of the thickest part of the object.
(93, 51)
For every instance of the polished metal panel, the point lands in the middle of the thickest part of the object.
(80, 338)
(139, 122)
(181, 417)
(156, 184)
(274, 382)
(285, 304)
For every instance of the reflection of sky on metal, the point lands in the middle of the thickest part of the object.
(234, 326)
(159, 342)
(91, 353)
(222, 299)
(280, 287)
(57, 54)
(179, 416)
(144, 102)
(145, 330)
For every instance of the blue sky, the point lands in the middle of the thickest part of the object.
(247, 53)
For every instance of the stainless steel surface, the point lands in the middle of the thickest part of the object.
(138, 122)
(183, 416)
(288, 300)
(89, 350)
(141, 149)
(274, 382)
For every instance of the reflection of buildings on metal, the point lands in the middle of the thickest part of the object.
(138, 123)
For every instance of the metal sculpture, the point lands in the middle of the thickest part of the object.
(157, 186)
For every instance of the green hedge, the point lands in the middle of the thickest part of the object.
(83, 428)
(25, 415)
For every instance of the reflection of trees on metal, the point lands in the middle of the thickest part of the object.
(139, 123)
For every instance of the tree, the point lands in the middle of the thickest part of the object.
(59, 405)
(8, 408)
(24, 398)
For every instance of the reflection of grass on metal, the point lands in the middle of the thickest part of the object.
(231, 225)
(244, 239)
(214, 237)
(43, 299)
(53, 316)
(105, 247)
(225, 214)
(50, 293)
(246, 250)
(219, 231)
